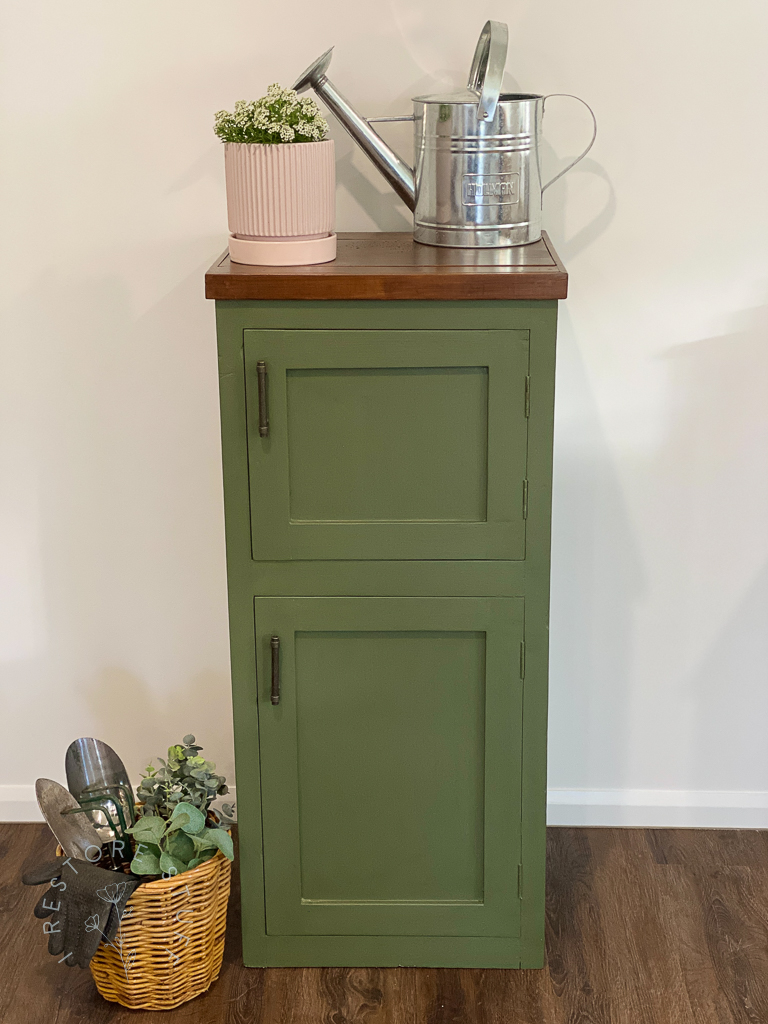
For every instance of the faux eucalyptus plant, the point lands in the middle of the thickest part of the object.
(179, 844)
(185, 777)
(280, 116)
(176, 830)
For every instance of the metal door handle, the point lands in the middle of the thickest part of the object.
(261, 373)
(274, 643)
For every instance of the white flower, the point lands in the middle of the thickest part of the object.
(279, 116)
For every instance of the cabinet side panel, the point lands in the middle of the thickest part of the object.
(543, 326)
(243, 665)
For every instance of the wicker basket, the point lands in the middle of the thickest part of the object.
(171, 940)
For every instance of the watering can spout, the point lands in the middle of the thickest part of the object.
(395, 170)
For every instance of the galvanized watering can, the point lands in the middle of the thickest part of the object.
(477, 181)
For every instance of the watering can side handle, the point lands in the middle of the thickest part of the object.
(395, 117)
(591, 141)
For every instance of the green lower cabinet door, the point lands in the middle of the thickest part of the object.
(391, 765)
(387, 444)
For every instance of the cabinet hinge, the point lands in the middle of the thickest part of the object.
(519, 881)
(522, 659)
(527, 396)
(525, 499)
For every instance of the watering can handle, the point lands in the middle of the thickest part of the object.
(591, 141)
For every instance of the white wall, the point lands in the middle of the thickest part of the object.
(113, 615)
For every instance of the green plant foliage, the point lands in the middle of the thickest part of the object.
(170, 865)
(149, 830)
(176, 844)
(180, 845)
(186, 777)
(222, 840)
(191, 819)
(175, 830)
(280, 116)
(146, 862)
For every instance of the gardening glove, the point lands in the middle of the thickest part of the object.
(85, 903)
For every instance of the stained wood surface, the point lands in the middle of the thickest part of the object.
(390, 265)
(656, 926)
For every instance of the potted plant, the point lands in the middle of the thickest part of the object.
(281, 180)
(170, 943)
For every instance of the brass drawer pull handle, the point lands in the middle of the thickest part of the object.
(274, 643)
(261, 373)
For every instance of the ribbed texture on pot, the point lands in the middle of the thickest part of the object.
(282, 190)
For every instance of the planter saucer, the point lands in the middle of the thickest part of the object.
(293, 253)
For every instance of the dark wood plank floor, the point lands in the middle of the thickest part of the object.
(646, 926)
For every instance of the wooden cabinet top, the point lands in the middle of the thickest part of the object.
(390, 265)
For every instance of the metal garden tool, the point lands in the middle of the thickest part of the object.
(74, 832)
(97, 778)
(105, 813)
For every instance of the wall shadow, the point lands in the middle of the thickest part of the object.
(597, 581)
(711, 481)
(120, 421)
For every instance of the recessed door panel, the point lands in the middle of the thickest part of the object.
(361, 448)
(391, 764)
(387, 444)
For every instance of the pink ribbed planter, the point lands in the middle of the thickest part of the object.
(281, 192)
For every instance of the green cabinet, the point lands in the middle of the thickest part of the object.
(387, 501)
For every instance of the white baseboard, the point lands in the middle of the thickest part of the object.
(18, 803)
(658, 808)
(628, 808)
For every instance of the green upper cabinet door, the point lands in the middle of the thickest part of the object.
(391, 766)
(387, 444)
